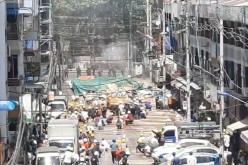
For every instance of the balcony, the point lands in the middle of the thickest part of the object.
(12, 31)
(14, 3)
(13, 82)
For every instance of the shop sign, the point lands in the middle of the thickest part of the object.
(51, 95)
(185, 105)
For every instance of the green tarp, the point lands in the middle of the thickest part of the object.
(101, 83)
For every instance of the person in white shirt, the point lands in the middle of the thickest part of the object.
(69, 156)
(191, 159)
(74, 116)
(104, 146)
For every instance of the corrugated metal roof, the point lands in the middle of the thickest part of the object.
(234, 2)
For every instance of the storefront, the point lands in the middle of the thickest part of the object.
(179, 92)
(239, 137)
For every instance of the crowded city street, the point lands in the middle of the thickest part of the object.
(123, 82)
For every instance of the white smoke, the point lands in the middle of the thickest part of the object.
(116, 51)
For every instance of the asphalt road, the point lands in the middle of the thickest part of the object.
(155, 120)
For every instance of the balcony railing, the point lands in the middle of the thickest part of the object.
(13, 82)
(12, 31)
(14, 3)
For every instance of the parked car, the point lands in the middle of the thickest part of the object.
(169, 148)
(195, 149)
(210, 149)
(202, 159)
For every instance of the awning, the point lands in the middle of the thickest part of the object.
(238, 125)
(25, 11)
(244, 136)
(181, 83)
(34, 85)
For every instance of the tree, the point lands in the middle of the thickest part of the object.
(105, 18)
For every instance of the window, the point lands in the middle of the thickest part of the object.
(183, 161)
(202, 58)
(246, 77)
(207, 61)
(204, 159)
(196, 57)
(188, 144)
(212, 151)
(13, 66)
(169, 133)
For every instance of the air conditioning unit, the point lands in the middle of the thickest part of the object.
(8, 51)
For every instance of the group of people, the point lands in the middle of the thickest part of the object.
(94, 71)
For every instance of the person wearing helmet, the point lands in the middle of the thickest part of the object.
(85, 144)
(123, 144)
(69, 156)
(130, 118)
(114, 147)
(80, 134)
(74, 116)
(82, 151)
(104, 146)
(141, 143)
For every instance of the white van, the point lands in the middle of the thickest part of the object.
(48, 156)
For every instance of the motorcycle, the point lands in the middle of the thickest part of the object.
(84, 161)
(124, 160)
(140, 148)
(143, 113)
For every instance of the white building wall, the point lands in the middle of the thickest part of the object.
(3, 68)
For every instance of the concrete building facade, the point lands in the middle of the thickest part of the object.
(205, 51)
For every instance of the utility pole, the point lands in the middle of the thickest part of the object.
(164, 57)
(150, 35)
(222, 101)
(131, 39)
(188, 70)
(147, 23)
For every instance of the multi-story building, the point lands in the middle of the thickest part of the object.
(205, 52)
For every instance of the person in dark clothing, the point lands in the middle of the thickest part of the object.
(110, 72)
(88, 72)
(66, 72)
(114, 72)
(97, 148)
(100, 72)
(122, 72)
(133, 111)
(93, 70)
(78, 72)
(104, 112)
